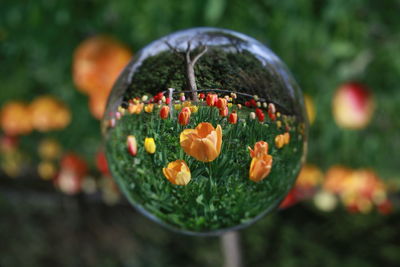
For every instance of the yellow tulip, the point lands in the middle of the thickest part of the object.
(149, 108)
(280, 141)
(260, 167)
(150, 145)
(286, 137)
(194, 109)
(203, 143)
(260, 149)
(177, 106)
(177, 172)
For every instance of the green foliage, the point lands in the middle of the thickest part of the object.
(220, 195)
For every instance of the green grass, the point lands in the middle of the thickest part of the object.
(219, 195)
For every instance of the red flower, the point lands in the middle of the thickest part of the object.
(101, 163)
(253, 103)
(260, 115)
(272, 116)
(233, 118)
(247, 104)
(202, 96)
(164, 111)
(72, 171)
(158, 96)
(184, 116)
(167, 100)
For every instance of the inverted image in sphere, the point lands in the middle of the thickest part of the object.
(205, 130)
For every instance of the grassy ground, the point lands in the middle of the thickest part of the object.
(220, 195)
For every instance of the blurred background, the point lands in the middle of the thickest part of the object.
(60, 207)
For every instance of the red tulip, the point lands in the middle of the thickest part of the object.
(158, 96)
(233, 118)
(202, 96)
(260, 115)
(184, 116)
(164, 111)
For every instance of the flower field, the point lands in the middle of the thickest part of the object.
(207, 169)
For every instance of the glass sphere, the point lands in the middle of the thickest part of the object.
(205, 130)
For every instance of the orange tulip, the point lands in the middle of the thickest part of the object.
(211, 99)
(177, 172)
(203, 143)
(221, 103)
(49, 114)
(260, 149)
(233, 118)
(260, 167)
(223, 112)
(184, 116)
(286, 138)
(15, 118)
(164, 111)
(135, 108)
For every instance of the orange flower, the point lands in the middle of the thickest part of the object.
(177, 172)
(310, 176)
(211, 99)
(184, 116)
(135, 108)
(260, 149)
(164, 111)
(286, 138)
(233, 118)
(223, 112)
(203, 143)
(221, 103)
(49, 114)
(16, 119)
(260, 167)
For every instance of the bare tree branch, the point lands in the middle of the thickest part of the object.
(199, 55)
(173, 48)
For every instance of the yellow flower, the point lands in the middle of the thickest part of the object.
(177, 106)
(194, 109)
(149, 108)
(150, 145)
(203, 143)
(286, 137)
(177, 172)
(260, 167)
(187, 104)
(279, 141)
